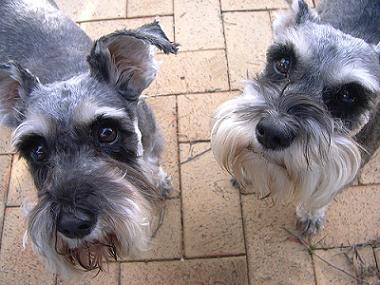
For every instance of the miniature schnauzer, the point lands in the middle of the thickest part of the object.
(310, 120)
(90, 140)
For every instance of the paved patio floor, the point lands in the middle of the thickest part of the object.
(212, 234)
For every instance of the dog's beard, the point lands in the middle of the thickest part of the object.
(123, 229)
(311, 170)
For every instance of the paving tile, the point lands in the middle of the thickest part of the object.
(223, 271)
(164, 109)
(274, 257)
(198, 24)
(5, 170)
(19, 266)
(377, 257)
(190, 72)
(364, 263)
(110, 276)
(5, 140)
(138, 8)
(359, 264)
(99, 28)
(195, 112)
(370, 174)
(352, 218)
(167, 242)
(21, 186)
(93, 9)
(228, 5)
(246, 44)
(211, 206)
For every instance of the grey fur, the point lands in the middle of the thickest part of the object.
(57, 90)
(328, 52)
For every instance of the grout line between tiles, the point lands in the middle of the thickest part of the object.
(314, 269)
(119, 273)
(174, 37)
(225, 46)
(244, 238)
(124, 18)
(100, 20)
(6, 199)
(252, 10)
(183, 259)
(12, 206)
(194, 93)
(180, 179)
(195, 141)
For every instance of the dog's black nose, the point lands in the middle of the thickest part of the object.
(76, 223)
(273, 134)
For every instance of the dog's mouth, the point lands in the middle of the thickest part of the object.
(265, 154)
(268, 156)
(89, 255)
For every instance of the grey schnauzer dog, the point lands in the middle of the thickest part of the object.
(90, 140)
(310, 120)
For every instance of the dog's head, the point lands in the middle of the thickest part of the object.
(293, 127)
(81, 140)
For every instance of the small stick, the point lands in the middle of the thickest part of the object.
(311, 251)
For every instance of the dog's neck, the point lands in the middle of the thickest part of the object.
(42, 40)
(360, 19)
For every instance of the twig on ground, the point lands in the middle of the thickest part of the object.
(196, 156)
(311, 251)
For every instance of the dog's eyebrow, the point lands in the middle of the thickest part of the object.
(87, 112)
(35, 125)
(350, 73)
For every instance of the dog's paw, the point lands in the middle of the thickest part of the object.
(235, 183)
(310, 224)
(165, 186)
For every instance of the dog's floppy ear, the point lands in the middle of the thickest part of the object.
(16, 84)
(298, 13)
(125, 58)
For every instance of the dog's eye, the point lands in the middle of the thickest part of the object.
(282, 66)
(348, 100)
(39, 152)
(107, 134)
(345, 96)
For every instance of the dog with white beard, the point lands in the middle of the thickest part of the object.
(307, 124)
(90, 140)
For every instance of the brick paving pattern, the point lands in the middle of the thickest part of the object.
(212, 234)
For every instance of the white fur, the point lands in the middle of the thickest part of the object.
(352, 71)
(301, 44)
(140, 149)
(87, 111)
(377, 48)
(35, 124)
(132, 227)
(285, 174)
